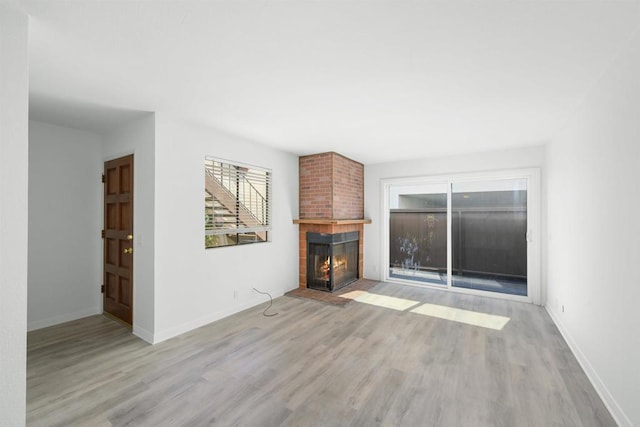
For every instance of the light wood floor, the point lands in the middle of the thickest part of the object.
(316, 365)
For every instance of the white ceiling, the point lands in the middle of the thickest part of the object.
(373, 80)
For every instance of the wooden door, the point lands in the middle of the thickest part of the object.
(118, 238)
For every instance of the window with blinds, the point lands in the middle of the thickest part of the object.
(237, 203)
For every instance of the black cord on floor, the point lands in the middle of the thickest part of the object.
(264, 313)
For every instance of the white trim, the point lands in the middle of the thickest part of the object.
(449, 235)
(143, 334)
(384, 230)
(117, 156)
(435, 287)
(532, 175)
(534, 233)
(458, 290)
(67, 317)
(236, 163)
(210, 318)
(607, 398)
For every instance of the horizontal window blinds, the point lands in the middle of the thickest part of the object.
(237, 198)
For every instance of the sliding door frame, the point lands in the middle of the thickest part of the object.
(531, 175)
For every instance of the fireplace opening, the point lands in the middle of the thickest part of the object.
(332, 260)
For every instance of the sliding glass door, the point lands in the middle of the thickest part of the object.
(418, 233)
(470, 233)
(489, 244)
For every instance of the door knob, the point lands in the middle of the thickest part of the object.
(129, 236)
(128, 250)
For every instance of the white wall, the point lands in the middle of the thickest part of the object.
(195, 286)
(138, 138)
(65, 218)
(593, 232)
(530, 157)
(14, 166)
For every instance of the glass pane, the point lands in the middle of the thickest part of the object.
(251, 237)
(345, 263)
(218, 240)
(230, 239)
(489, 228)
(318, 262)
(418, 233)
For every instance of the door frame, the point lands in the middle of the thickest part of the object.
(532, 175)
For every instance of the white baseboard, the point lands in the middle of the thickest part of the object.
(143, 334)
(612, 405)
(221, 314)
(67, 317)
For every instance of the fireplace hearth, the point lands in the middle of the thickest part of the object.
(332, 260)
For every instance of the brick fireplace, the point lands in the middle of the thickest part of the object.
(331, 202)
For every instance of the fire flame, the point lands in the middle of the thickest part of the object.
(339, 262)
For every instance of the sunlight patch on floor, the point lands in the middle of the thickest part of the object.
(385, 301)
(474, 318)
